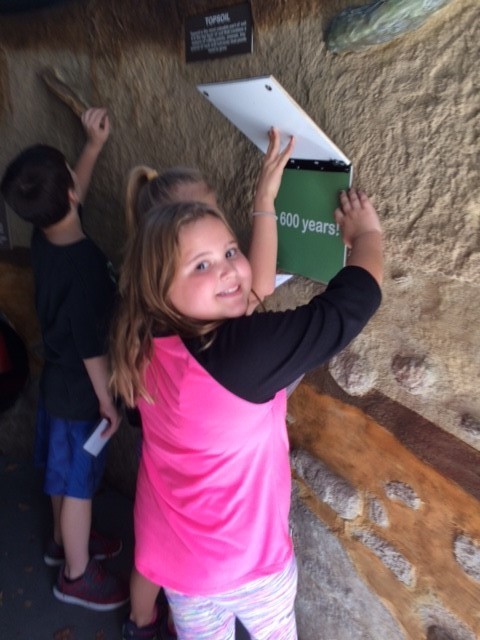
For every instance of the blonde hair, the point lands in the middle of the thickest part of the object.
(144, 309)
(146, 188)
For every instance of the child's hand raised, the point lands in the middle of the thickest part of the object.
(96, 125)
(361, 232)
(356, 216)
(272, 170)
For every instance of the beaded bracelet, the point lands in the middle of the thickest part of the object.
(265, 213)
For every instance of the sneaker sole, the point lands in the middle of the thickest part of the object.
(95, 606)
(57, 562)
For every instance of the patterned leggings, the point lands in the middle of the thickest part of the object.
(264, 606)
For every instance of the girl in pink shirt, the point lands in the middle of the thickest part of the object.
(147, 188)
(213, 490)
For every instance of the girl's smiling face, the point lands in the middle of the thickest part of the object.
(212, 278)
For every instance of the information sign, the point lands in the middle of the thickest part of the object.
(224, 32)
(309, 241)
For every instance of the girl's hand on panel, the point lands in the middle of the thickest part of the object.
(361, 232)
(356, 216)
(271, 173)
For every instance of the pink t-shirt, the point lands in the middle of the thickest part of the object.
(213, 488)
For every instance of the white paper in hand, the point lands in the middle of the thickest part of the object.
(96, 442)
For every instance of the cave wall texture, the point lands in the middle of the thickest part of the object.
(406, 113)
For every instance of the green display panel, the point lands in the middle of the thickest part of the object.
(309, 241)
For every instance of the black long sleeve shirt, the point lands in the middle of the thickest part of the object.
(255, 356)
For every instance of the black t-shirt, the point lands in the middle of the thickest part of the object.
(74, 296)
(255, 356)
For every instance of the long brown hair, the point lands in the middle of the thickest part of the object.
(144, 309)
(146, 188)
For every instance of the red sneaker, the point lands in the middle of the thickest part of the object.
(96, 589)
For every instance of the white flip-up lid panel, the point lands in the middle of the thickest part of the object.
(254, 105)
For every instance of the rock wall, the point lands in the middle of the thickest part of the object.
(406, 114)
(410, 533)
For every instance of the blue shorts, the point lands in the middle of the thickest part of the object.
(69, 469)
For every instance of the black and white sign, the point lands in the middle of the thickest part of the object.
(217, 34)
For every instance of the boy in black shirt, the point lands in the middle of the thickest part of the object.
(74, 294)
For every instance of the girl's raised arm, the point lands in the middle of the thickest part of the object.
(263, 246)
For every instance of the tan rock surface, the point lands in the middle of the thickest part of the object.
(406, 113)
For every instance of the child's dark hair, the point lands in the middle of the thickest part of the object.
(36, 185)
